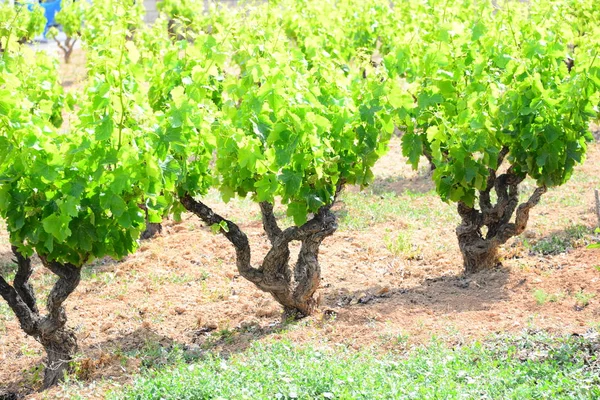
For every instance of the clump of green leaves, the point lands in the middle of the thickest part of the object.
(19, 24)
(187, 10)
(595, 245)
(401, 245)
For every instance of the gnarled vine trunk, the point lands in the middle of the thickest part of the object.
(480, 251)
(294, 288)
(67, 48)
(50, 330)
(61, 346)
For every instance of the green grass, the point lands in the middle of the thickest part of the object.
(524, 367)
(561, 242)
(583, 299)
(541, 297)
(400, 244)
(363, 210)
(360, 211)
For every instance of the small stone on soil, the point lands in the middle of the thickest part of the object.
(463, 283)
(179, 310)
(382, 291)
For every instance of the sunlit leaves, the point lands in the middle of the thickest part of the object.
(487, 80)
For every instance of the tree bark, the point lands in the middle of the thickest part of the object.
(293, 288)
(21, 282)
(429, 157)
(50, 330)
(58, 340)
(177, 30)
(61, 346)
(478, 254)
(67, 48)
(481, 252)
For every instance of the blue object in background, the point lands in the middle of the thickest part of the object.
(50, 9)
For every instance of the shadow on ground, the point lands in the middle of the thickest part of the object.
(444, 294)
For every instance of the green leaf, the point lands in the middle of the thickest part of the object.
(399, 98)
(68, 206)
(291, 182)
(224, 226)
(412, 147)
(105, 129)
(266, 187)
(298, 211)
(57, 226)
(478, 30)
(249, 155)
(221, 226)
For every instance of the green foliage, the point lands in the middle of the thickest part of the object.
(19, 24)
(71, 16)
(530, 366)
(595, 245)
(74, 196)
(186, 10)
(107, 20)
(485, 81)
(284, 101)
(341, 30)
(402, 245)
(277, 125)
(297, 134)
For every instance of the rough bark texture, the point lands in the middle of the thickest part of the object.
(293, 288)
(50, 330)
(21, 282)
(58, 340)
(481, 252)
(60, 346)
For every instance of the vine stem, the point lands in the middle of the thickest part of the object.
(597, 196)
(12, 24)
(121, 97)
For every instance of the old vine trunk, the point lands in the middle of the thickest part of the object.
(50, 330)
(480, 251)
(294, 288)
